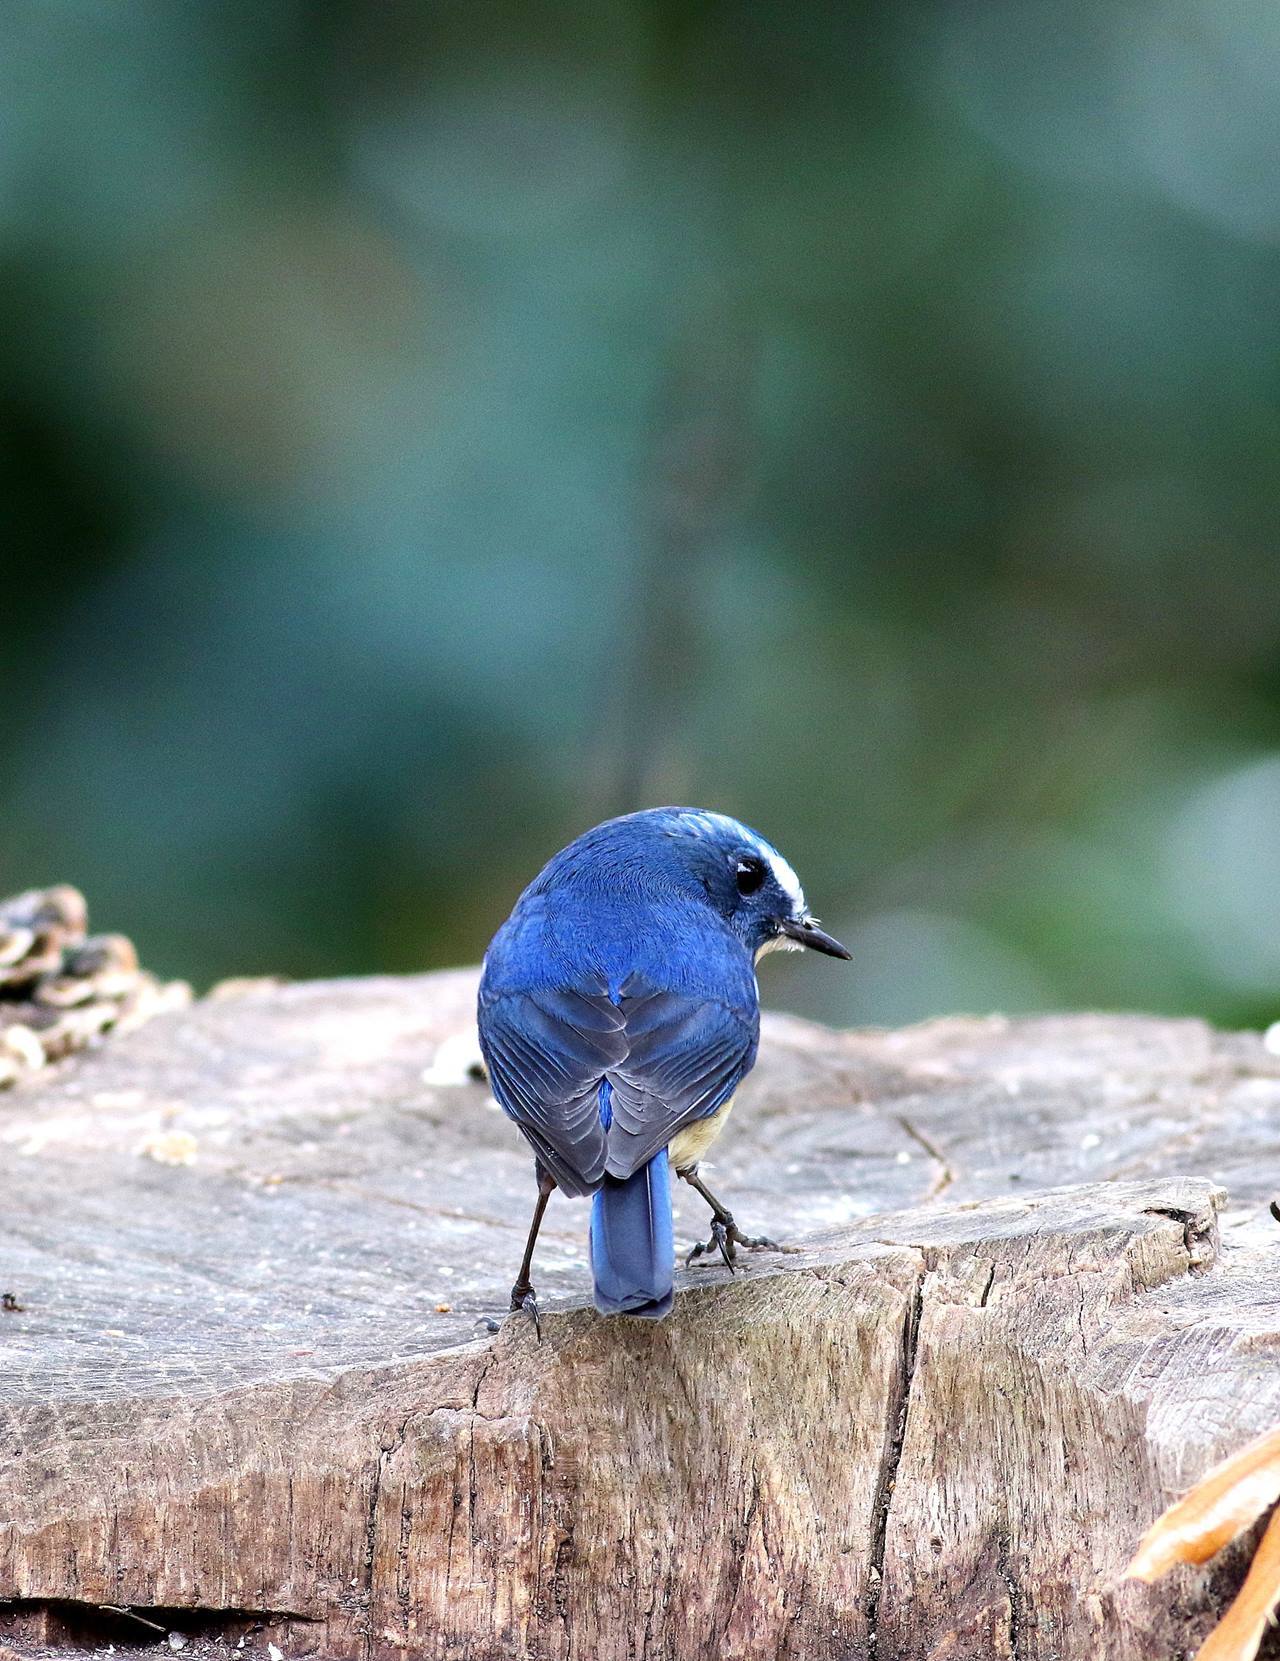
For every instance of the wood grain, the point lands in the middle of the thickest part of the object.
(1017, 1318)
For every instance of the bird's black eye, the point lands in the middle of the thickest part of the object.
(749, 873)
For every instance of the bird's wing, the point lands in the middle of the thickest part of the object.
(668, 1057)
(686, 1055)
(548, 1051)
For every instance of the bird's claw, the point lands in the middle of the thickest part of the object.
(720, 1241)
(726, 1237)
(522, 1297)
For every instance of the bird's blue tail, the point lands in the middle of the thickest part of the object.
(633, 1244)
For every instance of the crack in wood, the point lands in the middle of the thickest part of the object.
(386, 1453)
(896, 1435)
(946, 1175)
(1197, 1234)
(1013, 1594)
(740, 1564)
(83, 1623)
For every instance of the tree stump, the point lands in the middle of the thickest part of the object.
(249, 1390)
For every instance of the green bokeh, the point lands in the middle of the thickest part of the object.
(430, 428)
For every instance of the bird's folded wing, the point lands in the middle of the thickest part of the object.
(686, 1055)
(547, 1052)
(669, 1058)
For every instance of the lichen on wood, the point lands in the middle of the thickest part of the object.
(61, 989)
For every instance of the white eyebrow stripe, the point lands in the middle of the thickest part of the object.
(706, 824)
(786, 878)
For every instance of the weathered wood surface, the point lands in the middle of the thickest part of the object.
(1017, 1320)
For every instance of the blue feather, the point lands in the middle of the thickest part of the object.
(633, 1243)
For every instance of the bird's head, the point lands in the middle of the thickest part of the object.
(745, 880)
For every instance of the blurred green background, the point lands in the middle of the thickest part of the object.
(428, 429)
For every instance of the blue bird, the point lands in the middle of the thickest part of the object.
(618, 1014)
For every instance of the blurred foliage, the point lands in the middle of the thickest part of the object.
(430, 428)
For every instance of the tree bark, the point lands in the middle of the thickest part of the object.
(250, 1390)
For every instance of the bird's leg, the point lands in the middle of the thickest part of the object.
(726, 1236)
(522, 1296)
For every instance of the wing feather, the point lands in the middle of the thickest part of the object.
(547, 1051)
(669, 1057)
(686, 1056)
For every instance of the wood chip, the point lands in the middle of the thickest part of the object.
(1219, 1507)
(1238, 1634)
(171, 1147)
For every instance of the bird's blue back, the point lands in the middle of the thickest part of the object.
(617, 902)
(578, 931)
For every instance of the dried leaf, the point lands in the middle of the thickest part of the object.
(1238, 1634)
(1220, 1506)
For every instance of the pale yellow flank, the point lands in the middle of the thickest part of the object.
(691, 1144)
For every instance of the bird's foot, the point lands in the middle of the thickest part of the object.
(522, 1297)
(726, 1237)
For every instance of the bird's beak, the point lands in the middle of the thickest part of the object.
(807, 932)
